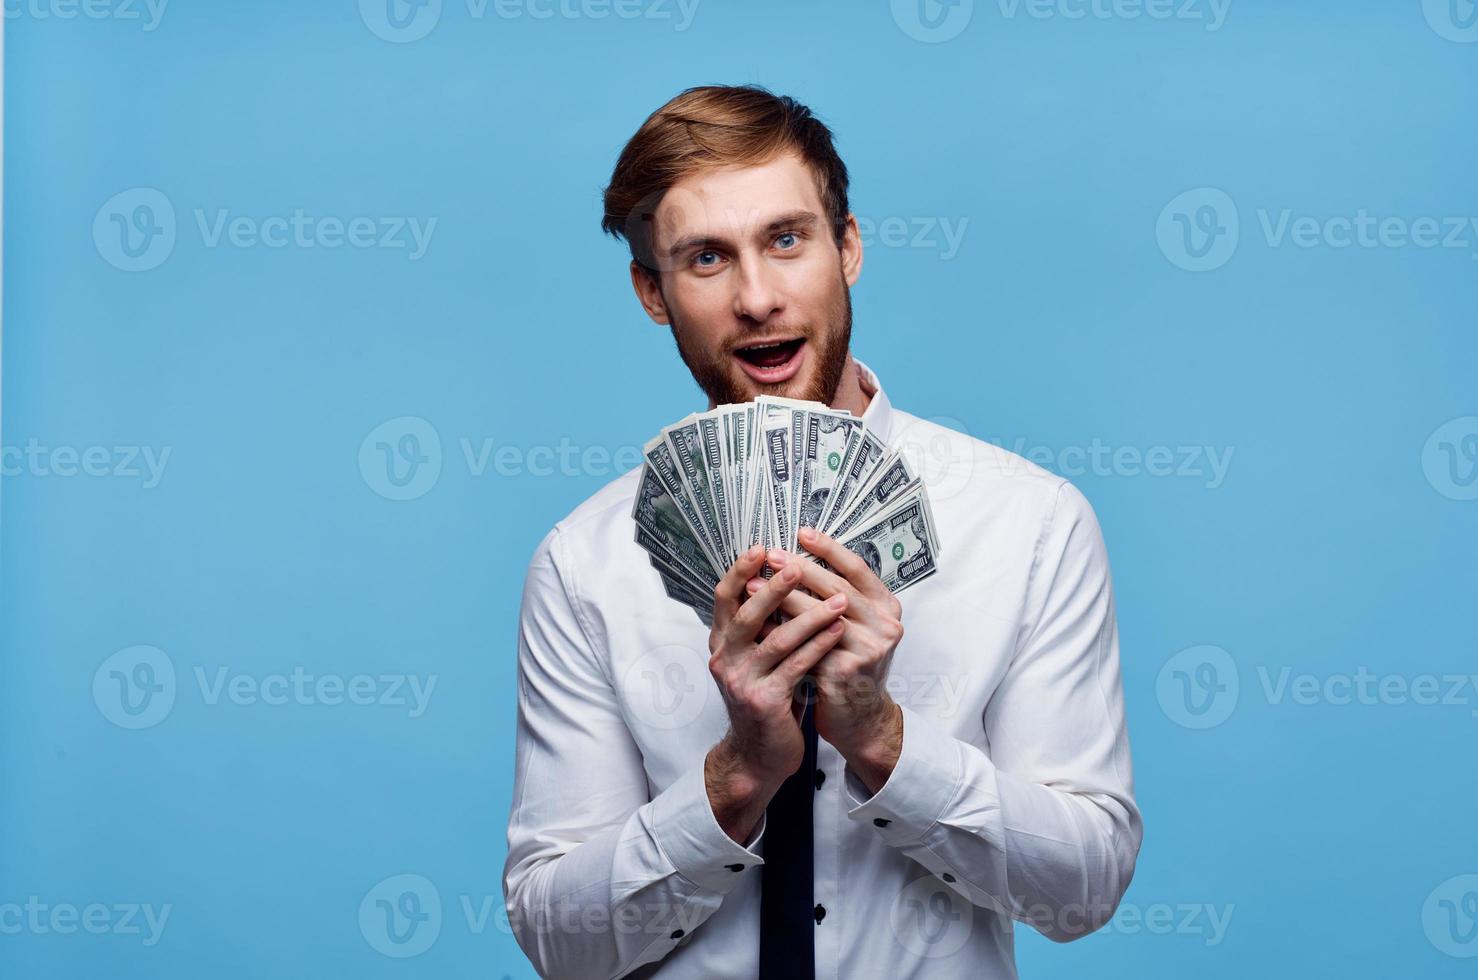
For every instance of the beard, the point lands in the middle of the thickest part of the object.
(723, 381)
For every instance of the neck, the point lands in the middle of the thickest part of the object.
(850, 393)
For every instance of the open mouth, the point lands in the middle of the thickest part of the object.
(771, 361)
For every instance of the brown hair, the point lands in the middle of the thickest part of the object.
(713, 126)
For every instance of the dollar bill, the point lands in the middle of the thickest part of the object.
(738, 422)
(679, 588)
(717, 482)
(687, 452)
(900, 545)
(863, 457)
(827, 437)
(661, 511)
(668, 566)
(893, 478)
(711, 443)
(779, 482)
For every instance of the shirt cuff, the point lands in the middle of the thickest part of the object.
(922, 785)
(689, 834)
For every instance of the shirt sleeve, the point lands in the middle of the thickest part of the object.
(1043, 826)
(600, 877)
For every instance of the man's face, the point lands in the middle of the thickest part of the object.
(753, 283)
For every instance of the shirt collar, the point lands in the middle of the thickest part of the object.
(878, 416)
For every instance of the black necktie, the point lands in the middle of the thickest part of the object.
(787, 916)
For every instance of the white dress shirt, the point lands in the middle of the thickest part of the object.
(1012, 800)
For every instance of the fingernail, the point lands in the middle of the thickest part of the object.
(776, 557)
(791, 574)
(806, 533)
(754, 584)
(838, 601)
(837, 626)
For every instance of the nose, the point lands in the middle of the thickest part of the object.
(757, 295)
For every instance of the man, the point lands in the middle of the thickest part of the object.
(964, 763)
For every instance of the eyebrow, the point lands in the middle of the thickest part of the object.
(801, 218)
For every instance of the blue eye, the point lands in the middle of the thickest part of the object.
(788, 234)
(698, 259)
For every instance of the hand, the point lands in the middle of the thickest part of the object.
(757, 674)
(854, 711)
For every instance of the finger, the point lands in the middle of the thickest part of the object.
(747, 621)
(813, 576)
(785, 639)
(795, 602)
(730, 590)
(790, 670)
(844, 560)
(860, 609)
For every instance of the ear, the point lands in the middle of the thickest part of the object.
(649, 292)
(851, 247)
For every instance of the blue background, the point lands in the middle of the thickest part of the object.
(1323, 830)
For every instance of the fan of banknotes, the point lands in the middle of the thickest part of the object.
(718, 482)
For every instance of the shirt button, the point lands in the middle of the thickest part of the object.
(948, 877)
(735, 867)
(820, 778)
(880, 822)
(820, 912)
(677, 934)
